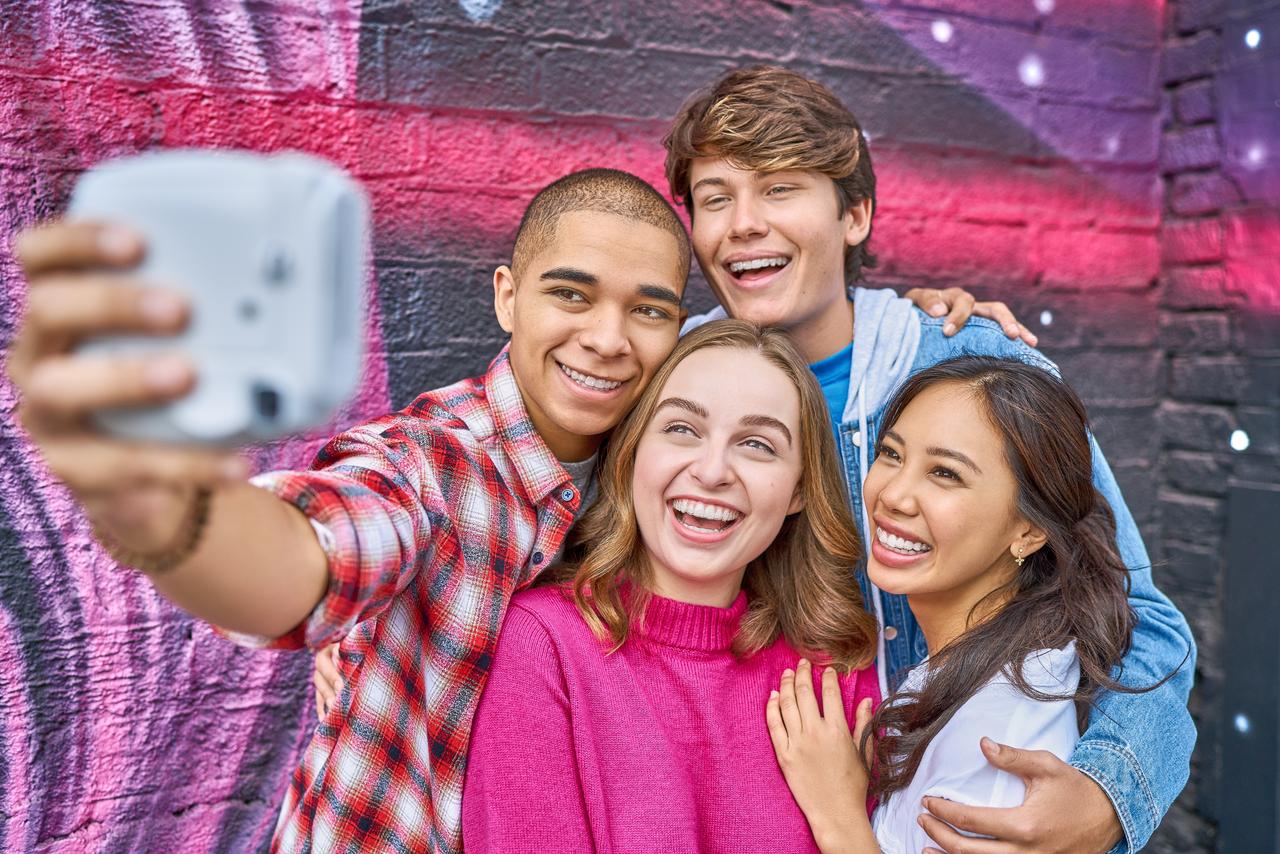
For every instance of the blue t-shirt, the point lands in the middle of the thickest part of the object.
(833, 375)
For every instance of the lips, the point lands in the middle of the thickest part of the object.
(756, 267)
(589, 382)
(703, 521)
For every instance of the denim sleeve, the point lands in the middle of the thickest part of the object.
(1138, 746)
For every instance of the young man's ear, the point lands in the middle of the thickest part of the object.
(504, 297)
(857, 222)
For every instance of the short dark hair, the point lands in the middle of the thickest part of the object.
(766, 118)
(605, 190)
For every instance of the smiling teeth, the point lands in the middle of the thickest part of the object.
(898, 543)
(713, 512)
(589, 381)
(757, 264)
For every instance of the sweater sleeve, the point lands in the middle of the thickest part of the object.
(522, 791)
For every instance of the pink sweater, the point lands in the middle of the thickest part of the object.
(661, 746)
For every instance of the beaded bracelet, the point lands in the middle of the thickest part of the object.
(155, 564)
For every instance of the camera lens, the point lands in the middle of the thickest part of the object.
(266, 401)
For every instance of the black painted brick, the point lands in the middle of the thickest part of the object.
(1209, 379)
(1195, 333)
(1202, 473)
(1194, 102)
(1192, 57)
(1194, 426)
(1195, 518)
(1195, 287)
(1190, 148)
(1193, 15)
(1197, 194)
(1114, 376)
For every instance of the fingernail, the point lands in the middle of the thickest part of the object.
(167, 373)
(937, 309)
(991, 745)
(161, 308)
(788, 672)
(117, 242)
(804, 662)
(949, 329)
(773, 695)
(920, 820)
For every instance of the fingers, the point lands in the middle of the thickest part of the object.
(929, 300)
(791, 717)
(324, 691)
(957, 843)
(1024, 763)
(806, 697)
(68, 245)
(90, 465)
(1000, 313)
(73, 306)
(777, 728)
(65, 387)
(961, 305)
(861, 719)
(1003, 823)
(832, 700)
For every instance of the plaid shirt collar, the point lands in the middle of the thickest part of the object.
(539, 471)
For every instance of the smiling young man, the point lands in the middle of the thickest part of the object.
(412, 531)
(776, 176)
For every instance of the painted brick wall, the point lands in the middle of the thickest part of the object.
(1093, 162)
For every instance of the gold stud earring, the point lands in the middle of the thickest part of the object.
(1018, 558)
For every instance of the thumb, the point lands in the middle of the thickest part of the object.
(1022, 763)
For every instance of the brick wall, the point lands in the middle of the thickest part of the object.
(1089, 161)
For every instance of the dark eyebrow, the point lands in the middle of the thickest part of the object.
(660, 292)
(939, 452)
(767, 421)
(687, 405)
(569, 274)
(710, 182)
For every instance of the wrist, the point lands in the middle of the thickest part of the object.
(164, 539)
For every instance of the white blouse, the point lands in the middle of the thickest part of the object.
(953, 766)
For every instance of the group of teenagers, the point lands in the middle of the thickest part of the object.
(821, 570)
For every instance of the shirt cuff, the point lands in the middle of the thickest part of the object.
(1117, 771)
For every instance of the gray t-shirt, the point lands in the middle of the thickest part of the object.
(584, 479)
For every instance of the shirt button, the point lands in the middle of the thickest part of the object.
(856, 438)
(566, 494)
(890, 633)
(537, 557)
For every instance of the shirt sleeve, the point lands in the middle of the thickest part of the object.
(523, 793)
(370, 500)
(1138, 746)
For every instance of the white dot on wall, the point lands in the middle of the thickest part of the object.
(1242, 723)
(1044, 7)
(1239, 440)
(1253, 38)
(1113, 143)
(1031, 70)
(942, 31)
(1256, 154)
(1046, 318)
(480, 11)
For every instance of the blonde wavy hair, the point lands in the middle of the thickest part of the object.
(801, 587)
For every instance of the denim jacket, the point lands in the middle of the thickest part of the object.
(1138, 746)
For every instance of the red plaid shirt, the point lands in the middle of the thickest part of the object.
(431, 517)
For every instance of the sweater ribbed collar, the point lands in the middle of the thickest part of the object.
(703, 628)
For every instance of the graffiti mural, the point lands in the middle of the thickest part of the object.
(1102, 165)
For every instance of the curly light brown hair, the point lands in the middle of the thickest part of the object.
(767, 119)
(801, 587)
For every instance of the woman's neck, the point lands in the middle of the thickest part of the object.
(943, 617)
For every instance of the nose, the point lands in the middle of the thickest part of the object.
(605, 333)
(898, 494)
(748, 219)
(711, 467)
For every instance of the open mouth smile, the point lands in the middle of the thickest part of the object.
(588, 381)
(703, 518)
(754, 269)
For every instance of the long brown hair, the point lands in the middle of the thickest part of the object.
(1075, 587)
(801, 587)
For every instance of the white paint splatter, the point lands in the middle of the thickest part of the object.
(1253, 38)
(942, 31)
(480, 11)
(1046, 318)
(1239, 440)
(1031, 70)
(1113, 144)
(1044, 7)
(1256, 155)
